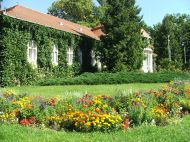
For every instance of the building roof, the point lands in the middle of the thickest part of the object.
(98, 31)
(27, 14)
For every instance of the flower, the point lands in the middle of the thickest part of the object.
(52, 102)
(98, 110)
(25, 122)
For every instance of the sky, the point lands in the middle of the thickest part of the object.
(153, 11)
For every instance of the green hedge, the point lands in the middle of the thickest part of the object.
(116, 78)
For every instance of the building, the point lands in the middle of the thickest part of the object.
(34, 45)
(32, 41)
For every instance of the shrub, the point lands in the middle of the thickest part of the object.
(116, 78)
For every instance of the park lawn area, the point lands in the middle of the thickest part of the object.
(171, 133)
(79, 90)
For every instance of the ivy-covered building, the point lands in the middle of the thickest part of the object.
(34, 45)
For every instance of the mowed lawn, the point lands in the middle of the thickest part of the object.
(79, 90)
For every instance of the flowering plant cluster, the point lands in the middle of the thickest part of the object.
(98, 113)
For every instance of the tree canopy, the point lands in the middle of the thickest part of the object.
(1, 3)
(122, 45)
(172, 33)
(80, 11)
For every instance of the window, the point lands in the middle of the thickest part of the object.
(32, 53)
(70, 56)
(55, 55)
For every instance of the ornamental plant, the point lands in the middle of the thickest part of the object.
(98, 113)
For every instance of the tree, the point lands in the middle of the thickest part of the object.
(79, 11)
(122, 46)
(0, 4)
(171, 33)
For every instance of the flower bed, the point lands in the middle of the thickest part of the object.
(98, 113)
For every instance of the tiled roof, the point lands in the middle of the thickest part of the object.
(27, 14)
(98, 31)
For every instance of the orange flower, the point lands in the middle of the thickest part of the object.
(84, 106)
(126, 124)
(98, 110)
(52, 102)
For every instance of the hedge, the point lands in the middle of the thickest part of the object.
(116, 78)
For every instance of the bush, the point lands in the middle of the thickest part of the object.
(116, 78)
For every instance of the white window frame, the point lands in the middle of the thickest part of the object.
(32, 53)
(69, 55)
(55, 55)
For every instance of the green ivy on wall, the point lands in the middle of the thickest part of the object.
(14, 37)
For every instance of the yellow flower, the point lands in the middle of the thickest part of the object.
(138, 99)
(97, 102)
(88, 124)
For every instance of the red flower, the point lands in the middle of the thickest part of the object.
(25, 122)
(84, 106)
(52, 102)
(126, 124)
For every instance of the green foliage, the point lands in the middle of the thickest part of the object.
(116, 78)
(0, 3)
(122, 46)
(14, 37)
(177, 28)
(83, 13)
(167, 65)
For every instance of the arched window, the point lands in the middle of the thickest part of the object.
(70, 56)
(55, 55)
(32, 53)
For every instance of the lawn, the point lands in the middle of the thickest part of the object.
(146, 133)
(79, 90)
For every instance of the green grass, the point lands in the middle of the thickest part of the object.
(145, 133)
(51, 91)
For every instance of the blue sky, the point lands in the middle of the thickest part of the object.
(153, 11)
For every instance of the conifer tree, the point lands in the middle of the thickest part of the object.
(122, 46)
(172, 33)
(1, 4)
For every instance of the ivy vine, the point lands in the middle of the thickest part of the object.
(14, 37)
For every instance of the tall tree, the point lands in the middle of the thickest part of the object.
(80, 11)
(171, 35)
(1, 4)
(122, 46)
